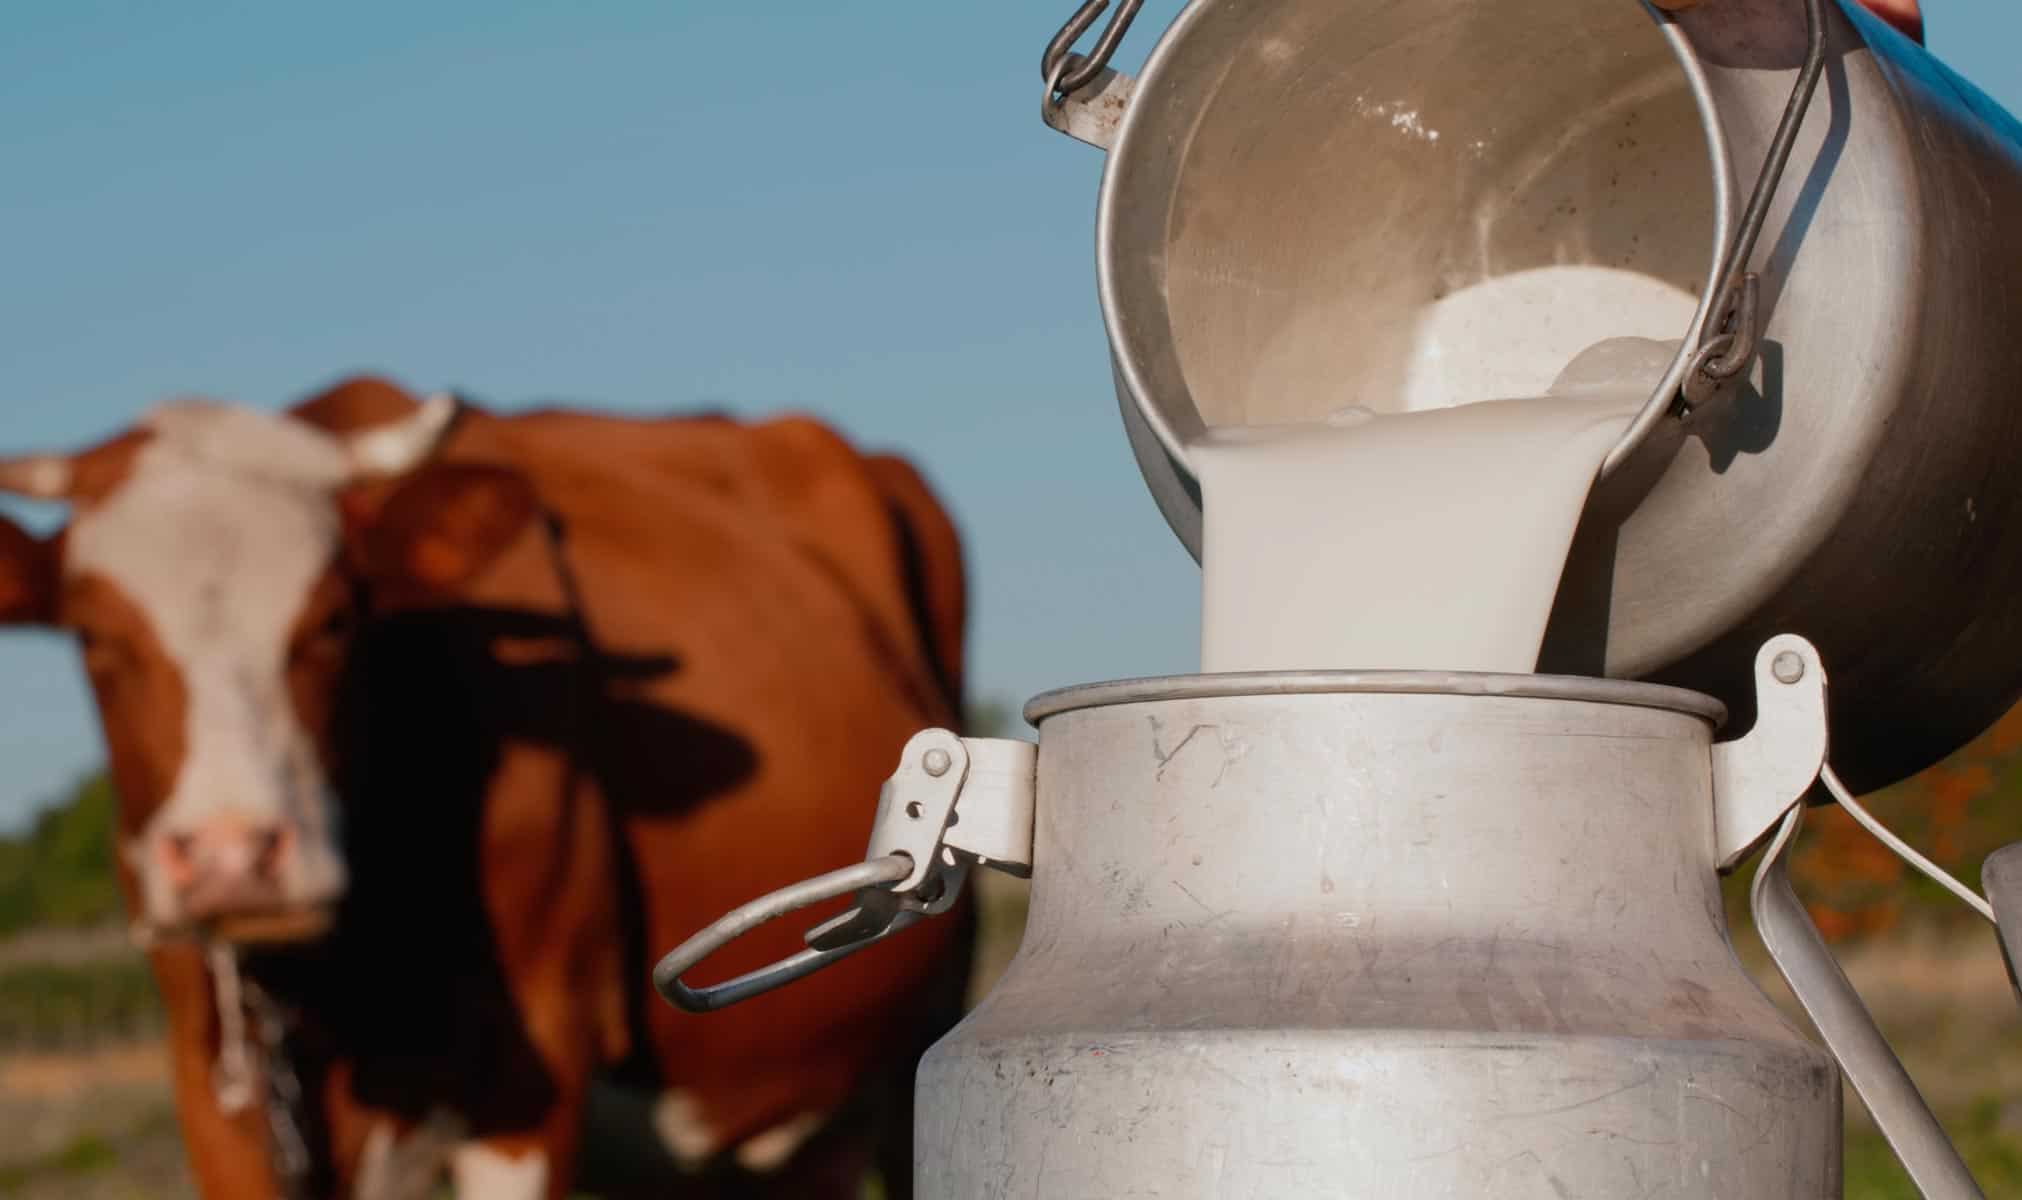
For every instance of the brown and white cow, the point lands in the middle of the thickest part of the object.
(447, 720)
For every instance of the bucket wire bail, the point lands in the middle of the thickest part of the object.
(1731, 339)
(1066, 72)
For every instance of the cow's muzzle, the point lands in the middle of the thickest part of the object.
(247, 881)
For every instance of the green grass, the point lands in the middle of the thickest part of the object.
(83, 1156)
(1992, 1154)
(131, 1150)
(47, 1006)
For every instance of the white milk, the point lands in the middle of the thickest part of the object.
(1433, 538)
(1514, 334)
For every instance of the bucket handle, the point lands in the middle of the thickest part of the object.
(864, 877)
(1066, 72)
(1731, 339)
(1836, 1010)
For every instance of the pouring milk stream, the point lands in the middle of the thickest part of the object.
(1433, 537)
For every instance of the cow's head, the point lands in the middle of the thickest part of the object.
(215, 564)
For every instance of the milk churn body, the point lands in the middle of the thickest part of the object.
(1315, 937)
(1294, 182)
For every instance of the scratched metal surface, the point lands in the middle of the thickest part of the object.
(1287, 946)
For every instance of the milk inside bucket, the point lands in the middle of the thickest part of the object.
(1505, 366)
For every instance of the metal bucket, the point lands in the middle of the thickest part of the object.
(1291, 183)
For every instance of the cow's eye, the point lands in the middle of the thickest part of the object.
(328, 634)
(339, 622)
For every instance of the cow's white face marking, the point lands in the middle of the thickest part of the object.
(222, 528)
(480, 1172)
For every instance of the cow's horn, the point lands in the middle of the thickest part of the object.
(404, 445)
(43, 476)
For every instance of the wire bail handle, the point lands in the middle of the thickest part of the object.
(952, 804)
(1066, 72)
(1731, 339)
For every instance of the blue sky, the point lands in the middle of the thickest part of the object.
(847, 209)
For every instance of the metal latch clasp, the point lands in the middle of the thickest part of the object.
(1763, 775)
(952, 804)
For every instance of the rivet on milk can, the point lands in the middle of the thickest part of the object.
(1303, 934)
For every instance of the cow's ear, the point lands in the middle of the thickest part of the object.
(356, 404)
(27, 577)
(439, 527)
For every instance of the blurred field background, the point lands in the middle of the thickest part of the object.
(84, 1101)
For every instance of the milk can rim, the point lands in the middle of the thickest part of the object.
(1415, 683)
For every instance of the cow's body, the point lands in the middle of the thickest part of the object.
(679, 684)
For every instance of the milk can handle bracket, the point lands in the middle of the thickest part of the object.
(952, 804)
(1759, 777)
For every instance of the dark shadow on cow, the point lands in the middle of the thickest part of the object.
(429, 699)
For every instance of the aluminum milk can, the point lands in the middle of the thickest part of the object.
(1290, 185)
(1338, 938)
(1337, 934)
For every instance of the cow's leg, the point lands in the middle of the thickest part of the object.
(398, 1160)
(513, 1169)
(539, 1161)
(821, 1168)
(227, 1152)
(547, 864)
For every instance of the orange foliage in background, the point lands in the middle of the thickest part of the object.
(1957, 813)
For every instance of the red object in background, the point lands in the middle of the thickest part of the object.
(1958, 812)
(1905, 15)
